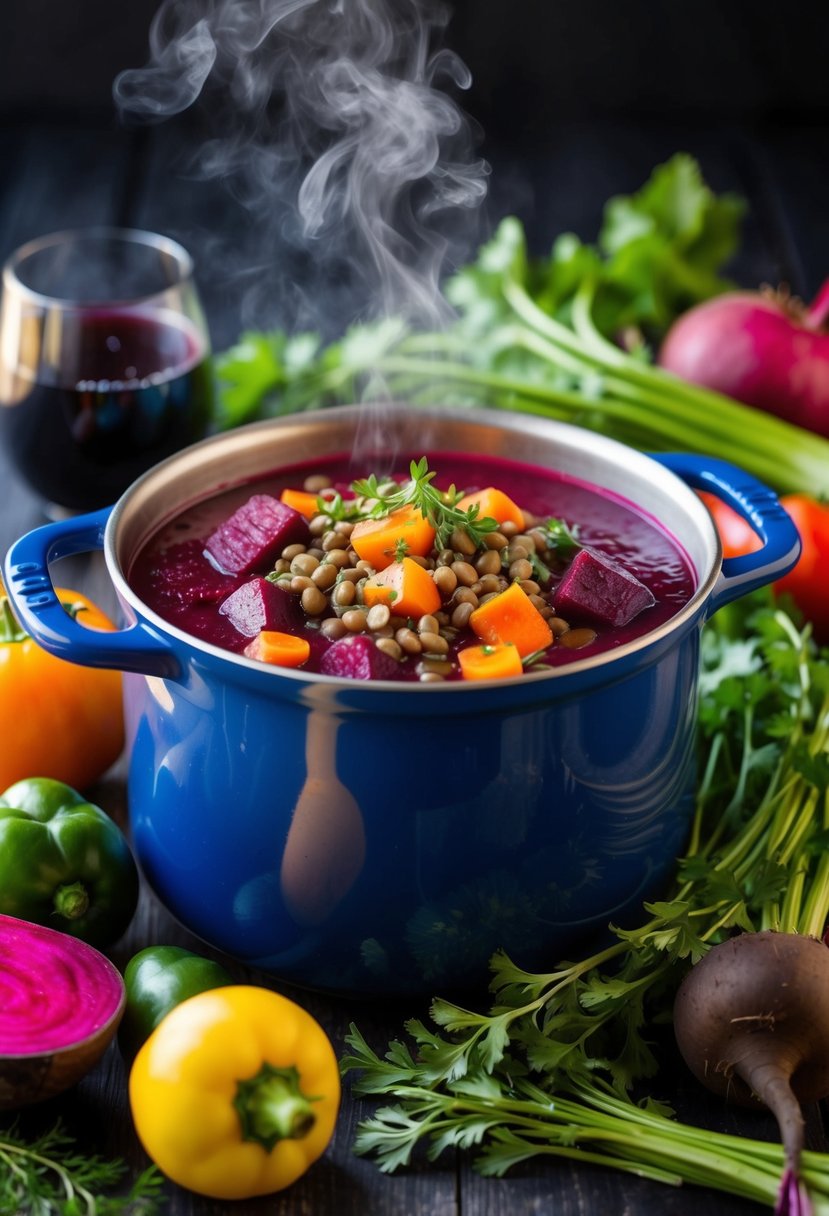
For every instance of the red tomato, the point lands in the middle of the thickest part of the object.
(808, 582)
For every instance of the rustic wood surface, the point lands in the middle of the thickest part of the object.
(58, 175)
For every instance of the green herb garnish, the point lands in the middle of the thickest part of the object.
(50, 1177)
(439, 507)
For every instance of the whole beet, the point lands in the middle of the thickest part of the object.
(751, 1020)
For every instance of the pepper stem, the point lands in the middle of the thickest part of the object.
(71, 900)
(272, 1107)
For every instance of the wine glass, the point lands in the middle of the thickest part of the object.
(104, 361)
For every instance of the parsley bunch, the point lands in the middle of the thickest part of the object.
(549, 1068)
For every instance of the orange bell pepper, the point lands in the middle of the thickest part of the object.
(406, 587)
(57, 719)
(378, 541)
(512, 617)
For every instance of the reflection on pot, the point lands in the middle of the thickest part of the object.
(326, 845)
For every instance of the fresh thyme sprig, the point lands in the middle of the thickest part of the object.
(48, 1176)
(439, 507)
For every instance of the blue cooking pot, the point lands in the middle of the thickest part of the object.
(388, 837)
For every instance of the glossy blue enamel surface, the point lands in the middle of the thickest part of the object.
(391, 851)
(388, 838)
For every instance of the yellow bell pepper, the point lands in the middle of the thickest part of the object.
(235, 1093)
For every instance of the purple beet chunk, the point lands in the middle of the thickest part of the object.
(258, 605)
(596, 589)
(186, 577)
(357, 658)
(255, 534)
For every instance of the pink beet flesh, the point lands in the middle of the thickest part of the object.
(260, 604)
(55, 991)
(255, 534)
(596, 589)
(357, 658)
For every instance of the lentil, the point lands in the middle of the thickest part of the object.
(574, 639)
(408, 640)
(315, 482)
(446, 580)
(390, 647)
(355, 620)
(378, 616)
(465, 573)
(313, 601)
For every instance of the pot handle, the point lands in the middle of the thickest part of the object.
(758, 505)
(31, 591)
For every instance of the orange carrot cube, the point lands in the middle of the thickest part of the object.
(512, 617)
(493, 504)
(377, 541)
(406, 587)
(281, 649)
(490, 662)
(302, 501)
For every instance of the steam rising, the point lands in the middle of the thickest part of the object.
(338, 133)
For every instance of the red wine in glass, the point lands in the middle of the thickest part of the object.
(93, 394)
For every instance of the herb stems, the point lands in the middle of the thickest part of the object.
(549, 1069)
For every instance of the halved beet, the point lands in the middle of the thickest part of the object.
(357, 658)
(595, 588)
(260, 604)
(255, 534)
(60, 1005)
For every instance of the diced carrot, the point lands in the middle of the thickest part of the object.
(377, 540)
(281, 649)
(490, 662)
(493, 504)
(301, 501)
(512, 617)
(406, 587)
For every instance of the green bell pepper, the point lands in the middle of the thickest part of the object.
(157, 979)
(64, 863)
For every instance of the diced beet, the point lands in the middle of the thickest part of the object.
(255, 534)
(260, 604)
(186, 577)
(357, 658)
(595, 588)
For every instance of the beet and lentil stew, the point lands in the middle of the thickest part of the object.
(449, 568)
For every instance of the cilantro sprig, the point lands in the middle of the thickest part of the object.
(550, 1067)
(439, 507)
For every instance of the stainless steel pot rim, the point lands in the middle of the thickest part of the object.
(685, 617)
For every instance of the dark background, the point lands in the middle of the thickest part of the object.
(533, 61)
(575, 100)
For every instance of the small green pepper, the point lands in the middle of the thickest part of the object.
(64, 863)
(157, 979)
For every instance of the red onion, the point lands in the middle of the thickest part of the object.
(763, 348)
(60, 1005)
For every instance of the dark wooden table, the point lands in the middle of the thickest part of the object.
(62, 175)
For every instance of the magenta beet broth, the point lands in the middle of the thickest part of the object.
(174, 577)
